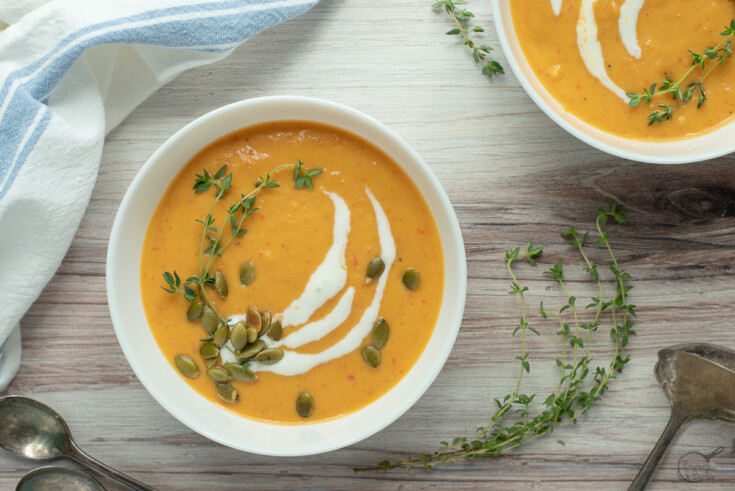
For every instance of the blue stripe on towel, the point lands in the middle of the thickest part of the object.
(38, 130)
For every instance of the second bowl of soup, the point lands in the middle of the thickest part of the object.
(592, 65)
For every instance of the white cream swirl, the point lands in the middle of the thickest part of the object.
(589, 46)
(331, 275)
(294, 363)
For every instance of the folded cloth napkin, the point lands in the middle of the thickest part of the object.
(70, 71)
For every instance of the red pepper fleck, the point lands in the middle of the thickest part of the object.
(350, 377)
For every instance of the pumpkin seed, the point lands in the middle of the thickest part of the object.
(375, 268)
(237, 372)
(275, 331)
(265, 322)
(304, 404)
(187, 366)
(209, 350)
(239, 336)
(209, 319)
(220, 284)
(269, 356)
(411, 279)
(218, 374)
(247, 273)
(253, 318)
(221, 335)
(371, 355)
(226, 392)
(251, 350)
(252, 335)
(380, 333)
(194, 312)
(210, 362)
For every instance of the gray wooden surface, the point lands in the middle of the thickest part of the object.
(512, 175)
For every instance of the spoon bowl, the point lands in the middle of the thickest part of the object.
(56, 478)
(32, 429)
(698, 380)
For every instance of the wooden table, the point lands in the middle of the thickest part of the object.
(512, 174)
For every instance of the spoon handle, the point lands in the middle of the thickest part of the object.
(677, 421)
(78, 454)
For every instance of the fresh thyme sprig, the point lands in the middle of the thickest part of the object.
(574, 394)
(717, 55)
(212, 243)
(461, 17)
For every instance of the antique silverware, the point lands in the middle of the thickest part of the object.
(699, 380)
(58, 478)
(34, 430)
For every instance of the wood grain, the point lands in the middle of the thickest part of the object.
(511, 174)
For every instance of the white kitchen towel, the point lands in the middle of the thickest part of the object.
(70, 71)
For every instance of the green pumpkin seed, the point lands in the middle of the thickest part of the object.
(218, 374)
(194, 312)
(210, 362)
(221, 335)
(226, 392)
(304, 404)
(252, 335)
(247, 273)
(187, 366)
(265, 323)
(237, 372)
(371, 355)
(275, 331)
(209, 319)
(209, 350)
(380, 333)
(253, 318)
(251, 350)
(220, 284)
(269, 356)
(375, 268)
(411, 279)
(239, 336)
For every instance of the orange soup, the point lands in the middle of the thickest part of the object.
(590, 54)
(330, 296)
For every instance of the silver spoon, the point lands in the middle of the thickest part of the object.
(36, 431)
(57, 478)
(699, 381)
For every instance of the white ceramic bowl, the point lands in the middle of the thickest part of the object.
(154, 371)
(708, 146)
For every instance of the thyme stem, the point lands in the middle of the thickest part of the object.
(560, 407)
(717, 55)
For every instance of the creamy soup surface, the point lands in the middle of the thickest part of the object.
(294, 233)
(589, 54)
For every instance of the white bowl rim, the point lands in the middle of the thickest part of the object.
(414, 384)
(582, 135)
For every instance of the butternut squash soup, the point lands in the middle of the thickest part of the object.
(302, 272)
(599, 59)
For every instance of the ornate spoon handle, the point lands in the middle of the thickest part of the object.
(677, 421)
